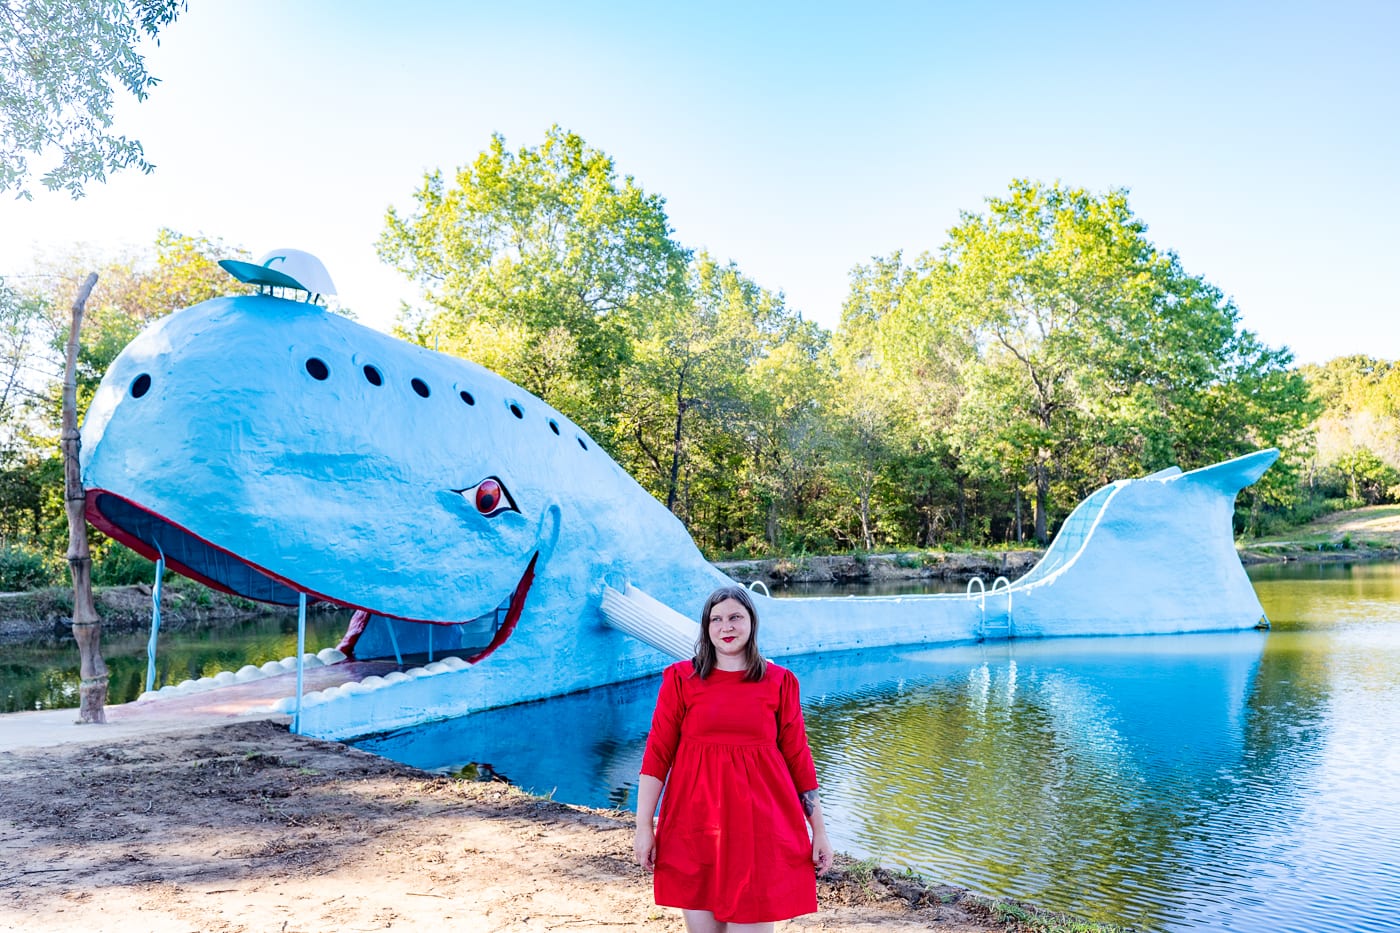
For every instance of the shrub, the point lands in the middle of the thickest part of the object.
(118, 565)
(23, 568)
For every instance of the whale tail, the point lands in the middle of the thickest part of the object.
(1230, 476)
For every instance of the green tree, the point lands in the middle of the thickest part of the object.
(132, 291)
(899, 366)
(1369, 479)
(59, 65)
(21, 333)
(1097, 354)
(540, 263)
(785, 436)
(687, 367)
(1359, 398)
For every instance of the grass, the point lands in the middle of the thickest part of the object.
(1040, 921)
(1375, 527)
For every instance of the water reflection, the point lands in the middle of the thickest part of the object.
(1239, 781)
(43, 673)
(1025, 769)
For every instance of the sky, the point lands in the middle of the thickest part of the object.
(1259, 141)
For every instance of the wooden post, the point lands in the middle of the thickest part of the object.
(87, 626)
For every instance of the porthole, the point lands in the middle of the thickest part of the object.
(467, 397)
(421, 387)
(373, 376)
(318, 369)
(554, 425)
(581, 443)
(140, 385)
(515, 410)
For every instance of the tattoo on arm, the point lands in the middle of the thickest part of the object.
(809, 800)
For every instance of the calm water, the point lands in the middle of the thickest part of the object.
(1224, 782)
(43, 674)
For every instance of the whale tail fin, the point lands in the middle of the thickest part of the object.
(1231, 476)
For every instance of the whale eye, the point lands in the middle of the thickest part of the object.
(489, 496)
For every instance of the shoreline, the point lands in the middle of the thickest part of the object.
(243, 826)
(47, 611)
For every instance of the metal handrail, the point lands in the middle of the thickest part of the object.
(995, 583)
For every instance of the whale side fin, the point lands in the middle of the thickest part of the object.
(651, 621)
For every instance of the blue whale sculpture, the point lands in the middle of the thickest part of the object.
(269, 448)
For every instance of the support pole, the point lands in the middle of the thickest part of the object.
(301, 658)
(155, 621)
(393, 640)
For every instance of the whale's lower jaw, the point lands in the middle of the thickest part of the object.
(186, 553)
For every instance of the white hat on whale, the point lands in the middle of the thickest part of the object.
(283, 268)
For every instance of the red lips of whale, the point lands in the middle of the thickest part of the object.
(117, 533)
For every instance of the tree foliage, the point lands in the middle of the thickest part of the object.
(1095, 355)
(1049, 347)
(541, 263)
(132, 291)
(59, 64)
(1357, 455)
(971, 395)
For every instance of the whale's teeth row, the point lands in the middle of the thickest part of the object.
(370, 684)
(243, 675)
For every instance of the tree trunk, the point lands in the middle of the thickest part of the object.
(673, 486)
(1042, 502)
(87, 626)
(1019, 533)
(866, 536)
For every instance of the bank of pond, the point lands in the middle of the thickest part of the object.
(1236, 781)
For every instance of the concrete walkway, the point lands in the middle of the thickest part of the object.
(219, 706)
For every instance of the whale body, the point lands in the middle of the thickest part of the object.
(271, 449)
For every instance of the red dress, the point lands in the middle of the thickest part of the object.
(731, 837)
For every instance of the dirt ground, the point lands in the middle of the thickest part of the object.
(246, 827)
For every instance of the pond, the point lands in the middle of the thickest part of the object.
(1246, 781)
(1236, 782)
(43, 673)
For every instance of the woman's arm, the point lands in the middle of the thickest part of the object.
(821, 845)
(644, 843)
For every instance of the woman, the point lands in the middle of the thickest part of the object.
(727, 742)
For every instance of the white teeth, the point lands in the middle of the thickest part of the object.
(244, 674)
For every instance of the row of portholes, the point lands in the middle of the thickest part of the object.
(318, 370)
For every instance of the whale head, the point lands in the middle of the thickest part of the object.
(269, 448)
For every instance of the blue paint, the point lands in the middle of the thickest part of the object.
(272, 449)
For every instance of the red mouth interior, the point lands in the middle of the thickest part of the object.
(152, 536)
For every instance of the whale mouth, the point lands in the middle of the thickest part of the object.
(186, 553)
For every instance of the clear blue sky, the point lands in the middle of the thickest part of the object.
(1260, 141)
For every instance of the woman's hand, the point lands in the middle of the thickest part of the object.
(644, 843)
(821, 851)
(644, 846)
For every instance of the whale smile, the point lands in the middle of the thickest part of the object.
(157, 537)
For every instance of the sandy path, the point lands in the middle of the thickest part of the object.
(244, 827)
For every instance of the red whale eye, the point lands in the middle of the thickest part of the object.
(489, 496)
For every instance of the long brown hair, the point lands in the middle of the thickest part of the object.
(705, 656)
